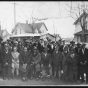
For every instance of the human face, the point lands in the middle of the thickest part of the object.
(35, 50)
(83, 46)
(15, 49)
(25, 49)
(6, 48)
(65, 50)
(16, 44)
(56, 49)
(72, 51)
(45, 51)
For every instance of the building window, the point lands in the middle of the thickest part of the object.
(20, 31)
(36, 31)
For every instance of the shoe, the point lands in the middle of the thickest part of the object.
(48, 76)
(8, 78)
(12, 77)
(26, 79)
(17, 77)
(31, 78)
(43, 78)
(4, 78)
(82, 81)
(37, 79)
(23, 79)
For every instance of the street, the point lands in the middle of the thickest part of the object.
(33, 82)
(40, 82)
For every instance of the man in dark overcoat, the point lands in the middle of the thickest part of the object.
(72, 68)
(83, 56)
(57, 60)
(46, 60)
(77, 50)
(25, 61)
(6, 62)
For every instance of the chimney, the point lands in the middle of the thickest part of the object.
(26, 21)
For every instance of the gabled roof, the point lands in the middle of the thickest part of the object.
(4, 35)
(2, 31)
(35, 26)
(80, 33)
(25, 26)
(57, 35)
(80, 18)
(30, 28)
(50, 34)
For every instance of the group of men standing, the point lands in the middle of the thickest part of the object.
(32, 59)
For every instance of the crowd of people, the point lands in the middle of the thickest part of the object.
(31, 59)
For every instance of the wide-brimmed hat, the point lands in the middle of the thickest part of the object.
(35, 48)
(72, 42)
(6, 45)
(65, 48)
(83, 44)
(45, 48)
(15, 42)
(28, 41)
(78, 44)
(72, 49)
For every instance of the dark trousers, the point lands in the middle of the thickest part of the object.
(82, 70)
(82, 77)
(87, 78)
(78, 75)
(46, 66)
(55, 70)
(31, 71)
(6, 71)
(52, 64)
(25, 74)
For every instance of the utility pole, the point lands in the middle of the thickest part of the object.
(84, 24)
(54, 30)
(0, 28)
(14, 14)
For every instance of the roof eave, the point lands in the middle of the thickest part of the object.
(45, 26)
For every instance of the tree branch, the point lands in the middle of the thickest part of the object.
(73, 17)
(72, 12)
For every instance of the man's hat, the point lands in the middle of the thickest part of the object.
(78, 44)
(45, 48)
(35, 48)
(72, 42)
(16, 42)
(66, 47)
(83, 44)
(72, 49)
(28, 41)
(6, 45)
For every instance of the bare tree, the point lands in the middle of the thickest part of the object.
(80, 14)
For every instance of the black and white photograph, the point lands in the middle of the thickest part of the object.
(43, 43)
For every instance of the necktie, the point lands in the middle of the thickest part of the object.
(83, 50)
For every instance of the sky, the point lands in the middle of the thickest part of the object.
(42, 9)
